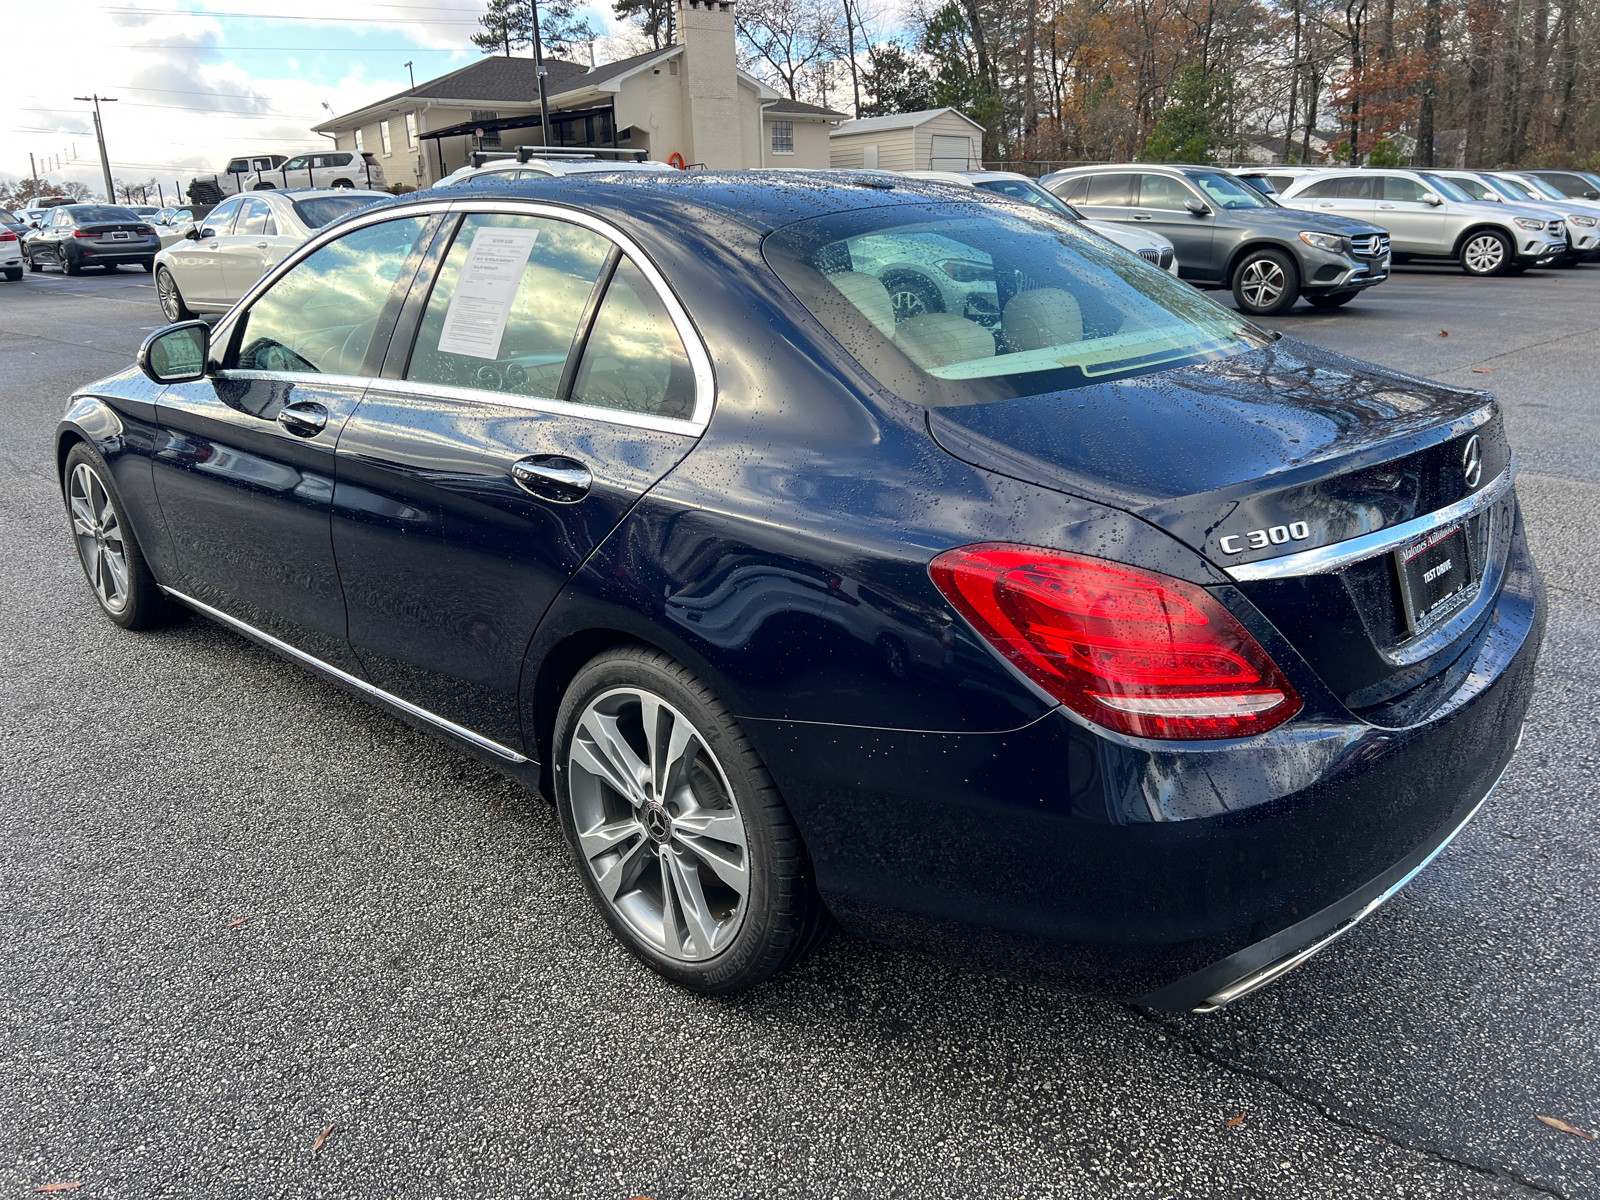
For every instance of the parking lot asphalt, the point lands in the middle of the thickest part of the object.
(241, 909)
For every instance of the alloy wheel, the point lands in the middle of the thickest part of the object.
(658, 827)
(1263, 283)
(99, 536)
(1484, 254)
(167, 294)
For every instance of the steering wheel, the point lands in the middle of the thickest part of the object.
(363, 333)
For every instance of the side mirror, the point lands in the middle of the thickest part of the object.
(1431, 198)
(1198, 207)
(176, 354)
(205, 233)
(194, 234)
(1591, 195)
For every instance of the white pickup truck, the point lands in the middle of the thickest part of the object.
(322, 169)
(210, 189)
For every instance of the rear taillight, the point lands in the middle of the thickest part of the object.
(86, 233)
(1129, 649)
(7, 236)
(144, 229)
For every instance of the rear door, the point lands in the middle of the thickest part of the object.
(1160, 208)
(1353, 196)
(531, 395)
(1414, 227)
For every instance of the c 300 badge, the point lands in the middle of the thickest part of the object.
(1260, 539)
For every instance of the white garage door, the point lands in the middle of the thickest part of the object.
(951, 153)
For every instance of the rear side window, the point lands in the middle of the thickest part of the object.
(1322, 189)
(506, 305)
(253, 219)
(1356, 187)
(320, 317)
(318, 211)
(1110, 190)
(1074, 191)
(634, 360)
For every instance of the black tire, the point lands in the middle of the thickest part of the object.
(140, 603)
(343, 183)
(265, 187)
(33, 264)
(1518, 268)
(1265, 283)
(170, 298)
(778, 920)
(68, 267)
(1333, 301)
(149, 265)
(13, 273)
(912, 295)
(1479, 257)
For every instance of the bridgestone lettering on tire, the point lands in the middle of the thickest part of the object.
(680, 836)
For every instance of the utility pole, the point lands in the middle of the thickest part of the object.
(538, 69)
(413, 75)
(100, 136)
(33, 168)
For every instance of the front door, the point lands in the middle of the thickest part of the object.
(1414, 227)
(545, 388)
(197, 263)
(1160, 206)
(244, 472)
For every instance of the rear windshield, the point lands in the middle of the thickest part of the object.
(85, 214)
(318, 211)
(964, 304)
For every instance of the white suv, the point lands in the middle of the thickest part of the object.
(1427, 216)
(324, 169)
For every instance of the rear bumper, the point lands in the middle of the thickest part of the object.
(1160, 871)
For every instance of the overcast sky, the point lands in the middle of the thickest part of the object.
(198, 83)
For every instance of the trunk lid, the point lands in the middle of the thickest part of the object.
(1275, 453)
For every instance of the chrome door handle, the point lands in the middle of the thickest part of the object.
(1142, 217)
(1385, 206)
(553, 477)
(304, 418)
(261, 245)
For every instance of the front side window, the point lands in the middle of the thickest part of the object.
(1475, 189)
(299, 163)
(1029, 303)
(783, 137)
(220, 222)
(1226, 192)
(634, 360)
(506, 304)
(1445, 188)
(1162, 192)
(1398, 187)
(320, 316)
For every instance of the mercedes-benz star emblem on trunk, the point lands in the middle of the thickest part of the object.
(1472, 461)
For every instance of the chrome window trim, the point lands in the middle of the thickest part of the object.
(1339, 555)
(345, 677)
(694, 347)
(315, 378)
(539, 404)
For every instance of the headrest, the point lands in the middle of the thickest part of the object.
(1040, 318)
(941, 339)
(868, 294)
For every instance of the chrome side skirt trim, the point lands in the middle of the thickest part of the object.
(1341, 554)
(1266, 974)
(345, 677)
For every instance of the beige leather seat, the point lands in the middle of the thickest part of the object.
(1040, 318)
(868, 294)
(942, 339)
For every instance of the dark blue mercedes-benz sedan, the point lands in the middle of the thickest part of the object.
(1067, 622)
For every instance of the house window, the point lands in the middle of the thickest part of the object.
(491, 137)
(411, 131)
(383, 136)
(783, 137)
(361, 142)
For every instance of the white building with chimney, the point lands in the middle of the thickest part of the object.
(687, 103)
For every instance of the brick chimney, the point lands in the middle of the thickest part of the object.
(711, 86)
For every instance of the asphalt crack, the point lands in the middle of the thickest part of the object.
(1344, 1120)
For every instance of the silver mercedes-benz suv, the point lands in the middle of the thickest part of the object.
(1428, 216)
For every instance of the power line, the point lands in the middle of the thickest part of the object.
(173, 12)
(202, 112)
(302, 49)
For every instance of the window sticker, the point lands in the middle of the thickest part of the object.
(485, 291)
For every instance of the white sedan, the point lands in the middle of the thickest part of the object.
(1148, 245)
(239, 241)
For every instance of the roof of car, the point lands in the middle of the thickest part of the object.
(762, 199)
